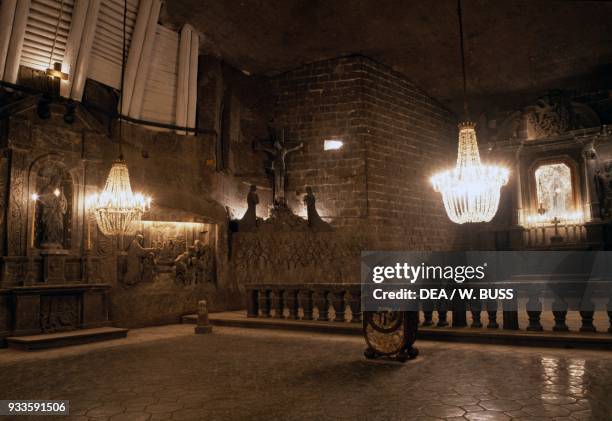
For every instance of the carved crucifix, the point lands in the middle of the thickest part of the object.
(278, 153)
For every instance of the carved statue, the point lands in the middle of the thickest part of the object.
(140, 262)
(54, 207)
(604, 187)
(279, 167)
(204, 262)
(183, 265)
(314, 220)
(249, 220)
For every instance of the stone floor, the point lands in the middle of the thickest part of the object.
(168, 373)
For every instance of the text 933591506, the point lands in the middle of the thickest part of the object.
(34, 407)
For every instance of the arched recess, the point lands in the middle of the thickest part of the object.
(48, 175)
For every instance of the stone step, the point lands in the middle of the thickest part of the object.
(597, 340)
(60, 339)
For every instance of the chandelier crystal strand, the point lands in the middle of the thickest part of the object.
(470, 191)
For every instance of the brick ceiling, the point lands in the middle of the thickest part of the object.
(515, 48)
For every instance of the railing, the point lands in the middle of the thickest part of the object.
(538, 236)
(342, 303)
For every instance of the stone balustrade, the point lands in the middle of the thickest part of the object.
(342, 303)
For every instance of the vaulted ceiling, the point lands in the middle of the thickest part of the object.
(514, 48)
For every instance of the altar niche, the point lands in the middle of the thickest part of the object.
(554, 192)
(52, 202)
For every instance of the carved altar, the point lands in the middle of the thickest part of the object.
(559, 193)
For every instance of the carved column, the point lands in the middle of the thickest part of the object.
(18, 203)
(4, 195)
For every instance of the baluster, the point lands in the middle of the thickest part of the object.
(492, 314)
(510, 315)
(459, 316)
(264, 302)
(475, 309)
(428, 308)
(534, 311)
(291, 296)
(278, 303)
(252, 303)
(355, 305)
(306, 303)
(323, 305)
(339, 304)
(559, 310)
(442, 306)
(587, 312)
(587, 321)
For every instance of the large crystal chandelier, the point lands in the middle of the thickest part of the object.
(471, 190)
(117, 209)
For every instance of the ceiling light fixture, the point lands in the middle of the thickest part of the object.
(117, 209)
(471, 190)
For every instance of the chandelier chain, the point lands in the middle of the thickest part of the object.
(460, 18)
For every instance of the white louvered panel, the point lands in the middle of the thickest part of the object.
(105, 65)
(40, 32)
(159, 101)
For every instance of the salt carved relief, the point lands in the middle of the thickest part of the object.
(304, 256)
(172, 250)
(59, 313)
(549, 116)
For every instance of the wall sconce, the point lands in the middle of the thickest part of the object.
(332, 144)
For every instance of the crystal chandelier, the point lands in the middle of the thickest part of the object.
(471, 190)
(117, 209)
